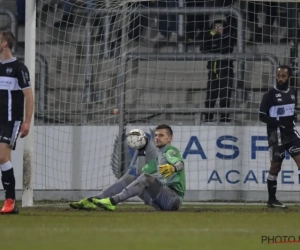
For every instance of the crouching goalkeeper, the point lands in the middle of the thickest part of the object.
(160, 184)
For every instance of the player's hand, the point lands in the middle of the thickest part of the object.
(142, 150)
(25, 129)
(166, 170)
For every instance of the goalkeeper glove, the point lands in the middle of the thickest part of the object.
(141, 152)
(166, 170)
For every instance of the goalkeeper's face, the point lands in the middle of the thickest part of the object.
(162, 137)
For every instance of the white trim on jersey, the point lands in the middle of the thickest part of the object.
(9, 106)
(9, 60)
(26, 87)
(282, 110)
(282, 91)
(9, 83)
(15, 133)
(296, 132)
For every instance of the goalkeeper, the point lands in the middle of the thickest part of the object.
(163, 191)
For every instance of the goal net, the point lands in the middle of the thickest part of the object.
(114, 65)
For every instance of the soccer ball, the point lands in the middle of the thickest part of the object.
(136, 138)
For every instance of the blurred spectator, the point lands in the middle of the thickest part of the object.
(220, 75)
(167, 23)
(231, 20)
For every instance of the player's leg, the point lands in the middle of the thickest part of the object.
(167, 199)
(161, 197)
(117, 187)
(164, 199)
(297, 161)
(277, 154)
(134, 189)
(145, 196)
(294, 149)
(8, 138)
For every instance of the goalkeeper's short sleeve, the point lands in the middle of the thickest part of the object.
(172, 155)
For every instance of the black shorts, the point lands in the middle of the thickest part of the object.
(9, 132)
(277, 153)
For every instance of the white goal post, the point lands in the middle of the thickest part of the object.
(30, 53)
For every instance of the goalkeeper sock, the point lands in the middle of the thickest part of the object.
(272, 186)
(112, 201)
(117, 187)
(8, 180)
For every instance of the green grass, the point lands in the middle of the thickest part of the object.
(139, 227)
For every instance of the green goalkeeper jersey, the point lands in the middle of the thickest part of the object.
(168, 155)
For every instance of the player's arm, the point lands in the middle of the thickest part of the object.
(24, 83)
(142, 166)
(29, 103)
(175, 163)
(150, 167)
(264, 108)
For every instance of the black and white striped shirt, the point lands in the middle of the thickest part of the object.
(14, 77)
(280, 105)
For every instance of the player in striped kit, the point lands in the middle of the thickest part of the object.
(15, 91)
(163, 191)
(277, 110)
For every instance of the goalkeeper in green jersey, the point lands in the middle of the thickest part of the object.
(161, 183)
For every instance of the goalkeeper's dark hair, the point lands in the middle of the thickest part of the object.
(8, 36)
(165, 126)
(285, 67)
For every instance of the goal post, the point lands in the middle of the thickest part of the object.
(111, 68)
(30, 54)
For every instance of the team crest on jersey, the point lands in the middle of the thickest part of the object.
(8, 70)
(293, 97)
(280, 111)
(278, 95)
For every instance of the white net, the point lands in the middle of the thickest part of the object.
(154, 67)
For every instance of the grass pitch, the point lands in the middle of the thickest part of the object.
(140, 227)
